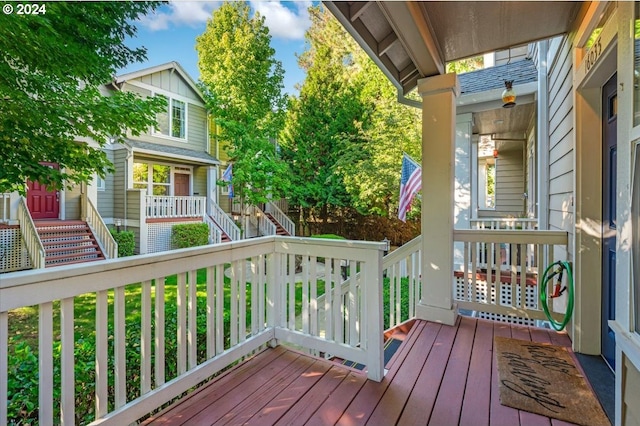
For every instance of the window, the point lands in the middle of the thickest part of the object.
(100, 183)
(173, 122)
(154, 176)
(486, 173)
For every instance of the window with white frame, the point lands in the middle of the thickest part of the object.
(154, 178)
(173, 121)
(100, 183)
(486, 173)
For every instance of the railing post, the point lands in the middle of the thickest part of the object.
(373, 313)
(274, 283)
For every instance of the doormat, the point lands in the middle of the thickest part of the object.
(544, 379)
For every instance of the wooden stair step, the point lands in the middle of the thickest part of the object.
(50, 259)
(93, 248)
(77, 241)
(71, 262)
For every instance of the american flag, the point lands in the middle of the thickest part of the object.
(227, 176)
(410, 184)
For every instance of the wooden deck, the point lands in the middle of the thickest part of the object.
(441, 375)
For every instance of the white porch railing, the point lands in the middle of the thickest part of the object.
(505, 281)
(100, 230)
(256, 292)
(167, 207)
(260, 222)
(30, 237)
(215, 234)
(224, 221)
(274, 210)
(485, 290)
(504, 223)
(5, 199)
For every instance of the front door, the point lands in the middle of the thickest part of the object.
(181, 184)
(43, 204)
(609, 169)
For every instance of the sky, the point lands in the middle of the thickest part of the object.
(170, 34)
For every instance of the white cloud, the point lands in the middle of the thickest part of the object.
(282, 21)
(179, 13)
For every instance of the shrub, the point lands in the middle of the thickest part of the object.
(190, 235)
(126, 242)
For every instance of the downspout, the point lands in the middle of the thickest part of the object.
(126, 181)
(542, 127)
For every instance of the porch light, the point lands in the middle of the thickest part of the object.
(509, 95)
(118, 224)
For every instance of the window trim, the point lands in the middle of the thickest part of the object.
(170, 99)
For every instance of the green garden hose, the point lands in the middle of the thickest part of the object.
(546, 277)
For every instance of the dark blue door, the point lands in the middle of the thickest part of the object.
(609, 158)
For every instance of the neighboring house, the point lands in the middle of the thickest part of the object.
(164, 176)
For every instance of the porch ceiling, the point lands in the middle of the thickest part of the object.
(410, 40)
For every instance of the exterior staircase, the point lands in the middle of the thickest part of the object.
(67, 241)
(279, 228)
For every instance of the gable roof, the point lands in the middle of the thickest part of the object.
(158, 68)
(521, 72)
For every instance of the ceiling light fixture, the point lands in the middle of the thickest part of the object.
(509, 95)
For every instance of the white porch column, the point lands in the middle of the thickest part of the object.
(438, 197)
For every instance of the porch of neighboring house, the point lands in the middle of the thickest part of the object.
(156, 215)
(34, 235)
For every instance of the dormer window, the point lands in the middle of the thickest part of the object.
(173, 122)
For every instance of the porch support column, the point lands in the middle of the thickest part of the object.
(438, 174)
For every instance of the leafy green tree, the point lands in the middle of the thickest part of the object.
(242, 84)
(466, 65)
(51, 72)
(345, 135)
(325, 121)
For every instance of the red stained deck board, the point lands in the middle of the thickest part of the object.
(227, 402)
(421, 401)
(448, 403)
(500, 415)
(305, 407)
(365, 402)
(392, 402)
(278, 384)
(179, 413)
(330, 411)
(477, 395)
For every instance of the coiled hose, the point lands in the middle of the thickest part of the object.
(562, 266)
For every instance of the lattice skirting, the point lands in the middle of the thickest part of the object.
(159, 236)
(487, 293)
(13, 251)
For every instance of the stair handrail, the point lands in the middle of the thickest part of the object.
(30, 235)
(215, 234)
(225, 222)
(100, 230)
(258, 219)
(280, 217)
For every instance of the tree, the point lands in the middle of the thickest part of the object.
(345, 135)
(326, 120)
(51, 72)
(242, 85)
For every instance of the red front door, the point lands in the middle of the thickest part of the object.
(181, 186)
(43, 204)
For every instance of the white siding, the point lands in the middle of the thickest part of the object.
(510, 181)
